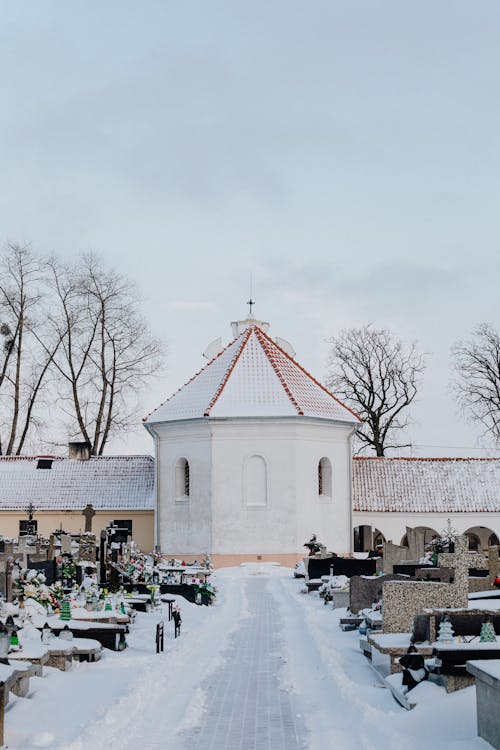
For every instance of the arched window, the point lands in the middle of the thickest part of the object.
(324, 477)
(182, 482)
(256, 482)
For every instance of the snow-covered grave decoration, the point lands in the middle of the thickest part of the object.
(487, 634)
(446, 633)
(334, 585)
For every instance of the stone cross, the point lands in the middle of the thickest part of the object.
(89, 513)
(461, 560)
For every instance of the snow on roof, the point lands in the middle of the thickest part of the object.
(107, 482)
(426, 485)
(252, 377)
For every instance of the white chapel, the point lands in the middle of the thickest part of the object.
(253, 455)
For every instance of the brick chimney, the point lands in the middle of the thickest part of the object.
(79, 451)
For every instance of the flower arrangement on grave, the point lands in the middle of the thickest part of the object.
(68, 571)
(445, 542)
(487, 634)
(152, 590)
(207, 589)
(325, 593)
(31, 585)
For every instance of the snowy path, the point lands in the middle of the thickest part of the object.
(246, 708)
(266, 668)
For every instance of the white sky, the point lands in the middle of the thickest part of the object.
(347, 153)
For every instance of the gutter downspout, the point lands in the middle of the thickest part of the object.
(351, 530)
(156, 524)
(157, 482)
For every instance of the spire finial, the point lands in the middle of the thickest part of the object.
(251, 302)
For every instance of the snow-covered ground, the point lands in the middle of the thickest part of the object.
(138, 699)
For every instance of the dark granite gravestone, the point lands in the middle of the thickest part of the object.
(47, 567)
(340, 566)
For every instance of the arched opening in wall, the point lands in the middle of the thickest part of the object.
(255, 482)
(480, 538)
(367, 538)
(474, 541)
(429, 535)
(325, 478)
(182, 479)
(493, 540)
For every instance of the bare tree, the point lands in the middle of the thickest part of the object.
(107, 354)
(28, 346)
(377, 376)
(477, 383)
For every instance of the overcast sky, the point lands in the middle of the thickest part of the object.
(345, 153)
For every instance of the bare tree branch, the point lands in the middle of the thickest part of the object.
(476, 364)
(28, 347)
(378, 377)
(108, 354)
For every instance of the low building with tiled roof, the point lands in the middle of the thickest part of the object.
(392, 493)
(119, 488)
(247, 453)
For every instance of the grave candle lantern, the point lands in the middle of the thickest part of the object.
(4, 643)
(46, 633)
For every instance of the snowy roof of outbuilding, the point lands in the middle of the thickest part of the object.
(106, 482)
(252, 377)
(426, 485)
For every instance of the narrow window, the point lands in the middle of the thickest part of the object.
(324, 478)
(182, 479)
(256, 482)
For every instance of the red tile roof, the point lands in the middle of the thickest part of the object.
(252, 377)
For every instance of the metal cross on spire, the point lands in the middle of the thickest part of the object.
(251, 302)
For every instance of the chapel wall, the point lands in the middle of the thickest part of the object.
(240, 527)
(184, 523)
(326, 516)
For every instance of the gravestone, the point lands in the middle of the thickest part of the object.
(87, 548)
(48, 568)
(339, 566)
(364, 591)
(403, 601)
(9, 577)
(3, 564)
(394, 554)
(89, 513)
(65, 544)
